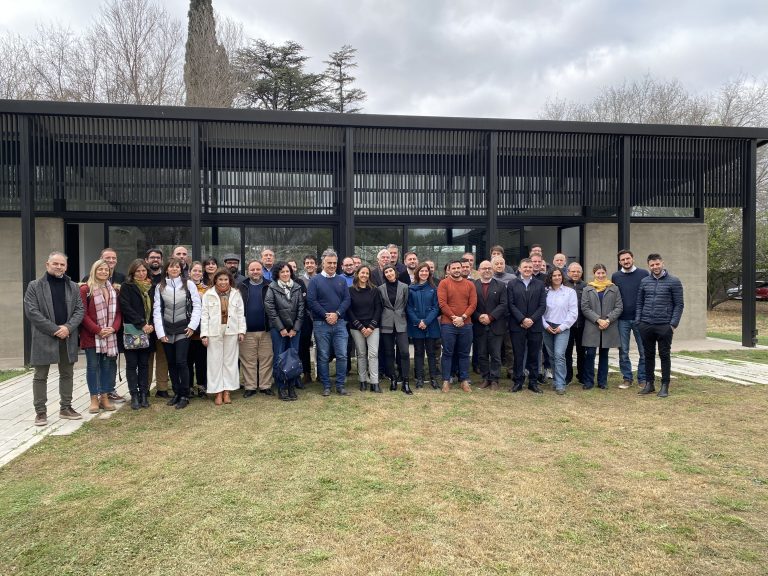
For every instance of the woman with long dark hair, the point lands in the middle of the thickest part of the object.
(394, 326)
(602, 305)
(561, 313)
(364, 315)
(135, 299)
(98, 335)
(210, 266)
(222, 328)
(284, 303)
(176, 315)
(423, 326)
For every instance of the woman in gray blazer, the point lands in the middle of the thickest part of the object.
(601, 304)
(394, 327)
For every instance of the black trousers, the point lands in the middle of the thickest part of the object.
(526, 346)
(574, 339)
(653, 334)
(197, 362)
(404, 359)
(305, 343)
(176, 354)
(488, 347)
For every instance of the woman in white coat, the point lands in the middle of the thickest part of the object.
(222, 328)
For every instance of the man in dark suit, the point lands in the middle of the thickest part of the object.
(527, 301)
(489, 323)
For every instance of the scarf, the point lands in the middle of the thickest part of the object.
(600, 286)
(286, 286)
(105, 303)
(224, 301)
(144, 287)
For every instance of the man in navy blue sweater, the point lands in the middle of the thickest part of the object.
(328, 299)
(659, 309)
(628, 280)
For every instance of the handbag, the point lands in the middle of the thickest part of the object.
(289, 365)
(134, 338)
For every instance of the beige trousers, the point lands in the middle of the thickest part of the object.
(256, 360)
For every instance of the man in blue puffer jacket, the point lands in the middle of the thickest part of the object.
(658, 312)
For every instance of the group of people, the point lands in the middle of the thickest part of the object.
(206, 323)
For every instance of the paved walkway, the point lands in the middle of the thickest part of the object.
(18, 432)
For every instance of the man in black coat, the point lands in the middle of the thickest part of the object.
(527, 301)
(573, 280)
(489, 324)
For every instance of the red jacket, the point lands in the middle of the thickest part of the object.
(89, 328)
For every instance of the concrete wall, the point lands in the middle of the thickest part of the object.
(49, 236)
(684, 250)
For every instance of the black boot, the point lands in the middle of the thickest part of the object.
(144, 398)
(135, 402)
(419, 383)
(376, 388)
(292, 391)
(664, 392)
(434, 384)
(175, 400)
(647, 389)
(392, 385)
(362, 385)
(282, 393)
(407, 387)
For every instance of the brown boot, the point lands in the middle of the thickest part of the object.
(446, 386)
(105, 403)
(218, 400)
(227, 399)
(94, 407)
(465, 386)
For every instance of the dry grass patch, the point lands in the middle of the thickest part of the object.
(725, 321)
(488, 483)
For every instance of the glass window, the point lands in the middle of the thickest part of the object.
(287, 243)
(441, 245)
(368, 241)
(219, 240)
(132, 242)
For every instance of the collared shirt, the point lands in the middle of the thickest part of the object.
(628, 271)
(562, 308)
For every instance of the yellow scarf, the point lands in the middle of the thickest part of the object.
(600, 286)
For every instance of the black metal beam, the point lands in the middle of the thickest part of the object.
(196, 201)
(348, 207)
(749, 251)
(492, 192)
(27, 202)
(625, 202)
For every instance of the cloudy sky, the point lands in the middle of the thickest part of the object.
(487, 58)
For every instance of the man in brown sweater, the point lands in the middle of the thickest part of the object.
(457, 298)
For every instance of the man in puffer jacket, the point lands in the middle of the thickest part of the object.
(658, 312)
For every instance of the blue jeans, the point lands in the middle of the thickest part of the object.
(456, 343)
(589, 367)
(556, 345)
(329, 337)
(279, 345)
(625, 327)
(100, 371)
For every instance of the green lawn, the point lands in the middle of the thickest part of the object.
(759, 356)
(593, 482)
(8, 374)
(763, 340)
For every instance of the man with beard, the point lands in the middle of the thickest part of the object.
(573, 280)
(157, 360)
(232, 263)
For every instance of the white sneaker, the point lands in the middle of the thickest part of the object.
(549, 374)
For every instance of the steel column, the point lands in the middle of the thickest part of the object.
(625, 201)
(348, 206)
(749, 249)
(196, 202)
(27, 205)
(492, 194)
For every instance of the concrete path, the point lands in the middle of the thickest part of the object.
(18, 432)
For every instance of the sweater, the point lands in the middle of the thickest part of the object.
(327, 294)
(456, 299)
(364, 308)
(629, 284)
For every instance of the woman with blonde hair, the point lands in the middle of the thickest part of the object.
(222, 328)
(98, 335)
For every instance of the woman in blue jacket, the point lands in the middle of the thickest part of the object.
(423, 327)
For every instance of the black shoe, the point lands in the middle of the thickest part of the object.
(342, 391)
(363, 385)
(647, 389)
(249, 393)
(299, 384)
(162, 394)
(292, 392)
(201, 392)
(175, 400)
(602, 386)
(534, 387)
(282, 393)
(267, 391)
(516, 387)
(407, 387)
(182, 403)
(143, 399)
(419, 383)
(434, 384)
(392, 385)
(376, 388)
(587, 386)
(326, 391)
(540, 378)
(664, 392)
(135, 401)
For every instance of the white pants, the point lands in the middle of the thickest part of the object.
(222, 363)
